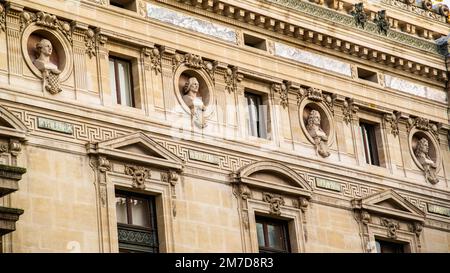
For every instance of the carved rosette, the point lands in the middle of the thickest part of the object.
(275, 201)
(139, 175)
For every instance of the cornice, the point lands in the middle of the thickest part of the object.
(246, 18)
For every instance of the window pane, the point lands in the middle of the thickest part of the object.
(125, 82)
(112, 80)
(262, 121)
(260, 232)
(121, 210)
(139, 212)
(275, 236)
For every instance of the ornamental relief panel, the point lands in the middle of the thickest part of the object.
(316, 111)
(46, 44)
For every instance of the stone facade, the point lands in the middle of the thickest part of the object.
(321, 68)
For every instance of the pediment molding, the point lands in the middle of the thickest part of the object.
(137, 148)
(389, 203)
(298, 187)
(10, 125)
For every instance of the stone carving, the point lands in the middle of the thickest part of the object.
(393, 119)
(392, 227)
(316, 94)
(359, 15)
(424, 124)
(419, 10)
(50, 72)
(48, 21)
(316, 132)
(229, 80)
(139, 175)
(194, 103)
(417, 228)
(275, 202)
(155, 58)
(349, 110)
(429, 166)
(196, 62)
(325, 13)
(3, 148)
(103, 164)
(282, 89)
(382, 22)
(89, 40)
(427, 4)
(15, 147)
(2, 18)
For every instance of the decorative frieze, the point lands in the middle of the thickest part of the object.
(191, 23)
(423, 10)
(313, 59)
(415, 89)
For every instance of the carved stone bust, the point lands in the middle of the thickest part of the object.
(316, 132)
(44, 49)
(190, 94)
(429, 166)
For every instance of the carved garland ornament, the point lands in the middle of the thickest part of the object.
(424, 124)
(196, 62)
(316, 94)
(46, 20)
(155, 58)
(2, 18)
(349, 110)
(232, 78)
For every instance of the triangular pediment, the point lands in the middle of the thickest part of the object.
(389, 202)
(10, 125)
(137, 147)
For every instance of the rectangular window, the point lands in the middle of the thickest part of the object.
(136, 223)
(367, 75)
(369, 142)
(121, 81)
(124, 4)
(257, 115)
(390, 247)
(272, 235)
(255, 42)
